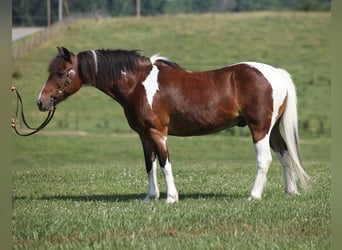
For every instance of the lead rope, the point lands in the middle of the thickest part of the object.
(34, 130)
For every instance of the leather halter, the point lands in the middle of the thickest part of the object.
(70, 76)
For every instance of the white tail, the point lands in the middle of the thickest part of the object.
(289, 125)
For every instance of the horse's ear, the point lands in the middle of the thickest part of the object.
(65, 53)
(60, 51)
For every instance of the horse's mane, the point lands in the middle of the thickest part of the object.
(112, 63)
(166, 61)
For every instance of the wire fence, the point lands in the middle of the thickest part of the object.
(32, 41)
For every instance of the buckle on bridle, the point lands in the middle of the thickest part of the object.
(71, 75)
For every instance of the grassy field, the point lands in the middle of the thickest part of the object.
(80, 183)
(88, 193)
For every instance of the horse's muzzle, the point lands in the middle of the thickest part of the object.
(48, 105)
(40, 105)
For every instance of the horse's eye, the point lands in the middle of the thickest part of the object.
(60, 73)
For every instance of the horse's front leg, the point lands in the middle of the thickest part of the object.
(151, 169)
(165, 164)
(172, 194)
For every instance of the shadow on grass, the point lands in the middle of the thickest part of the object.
(131, 197)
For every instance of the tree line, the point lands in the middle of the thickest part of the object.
(34, 12)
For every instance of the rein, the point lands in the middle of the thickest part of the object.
(70, 75)
(34, 130)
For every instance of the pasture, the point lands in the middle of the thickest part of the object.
(80, 183)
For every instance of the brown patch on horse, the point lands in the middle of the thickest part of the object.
(255, 99)
(191, 100)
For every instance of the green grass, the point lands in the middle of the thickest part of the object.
(80, 183)
(89, 193)
(85, 195)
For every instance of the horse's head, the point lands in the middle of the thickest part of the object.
(63, 80)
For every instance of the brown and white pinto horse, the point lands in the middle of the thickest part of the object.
(160, 98)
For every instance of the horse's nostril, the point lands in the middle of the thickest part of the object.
(40, 104)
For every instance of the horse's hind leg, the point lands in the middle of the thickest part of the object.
(280, 148)
(264, 159)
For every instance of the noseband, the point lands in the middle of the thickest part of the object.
(70, 75)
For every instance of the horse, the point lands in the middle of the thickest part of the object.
(160, 98)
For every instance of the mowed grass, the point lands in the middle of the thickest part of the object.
(80, 183)
(87, 191)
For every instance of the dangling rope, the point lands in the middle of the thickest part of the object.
(34, 130)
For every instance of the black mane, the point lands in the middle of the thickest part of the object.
(170, 63)
(110, 65)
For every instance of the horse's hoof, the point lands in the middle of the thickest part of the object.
(253, 198)
(290, 193)
(150, 198)
(172, 199)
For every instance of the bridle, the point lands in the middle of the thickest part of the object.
(70, 75)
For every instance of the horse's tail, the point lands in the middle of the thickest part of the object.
(289, 124)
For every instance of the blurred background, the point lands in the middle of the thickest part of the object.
(199, 35)
(39, 12)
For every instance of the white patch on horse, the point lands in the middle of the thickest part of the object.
(151, 83)
(274, 77)
(153, 190)
(40, 93)
(172, 194)
(264, 159)
(95, 60)
(289, 172)
(156, 57)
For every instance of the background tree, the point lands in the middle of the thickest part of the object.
(33, 12)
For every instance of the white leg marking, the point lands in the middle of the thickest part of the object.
(151, 84)
(153, 190)
(172, 194)
(289, 173)
(264, 158)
